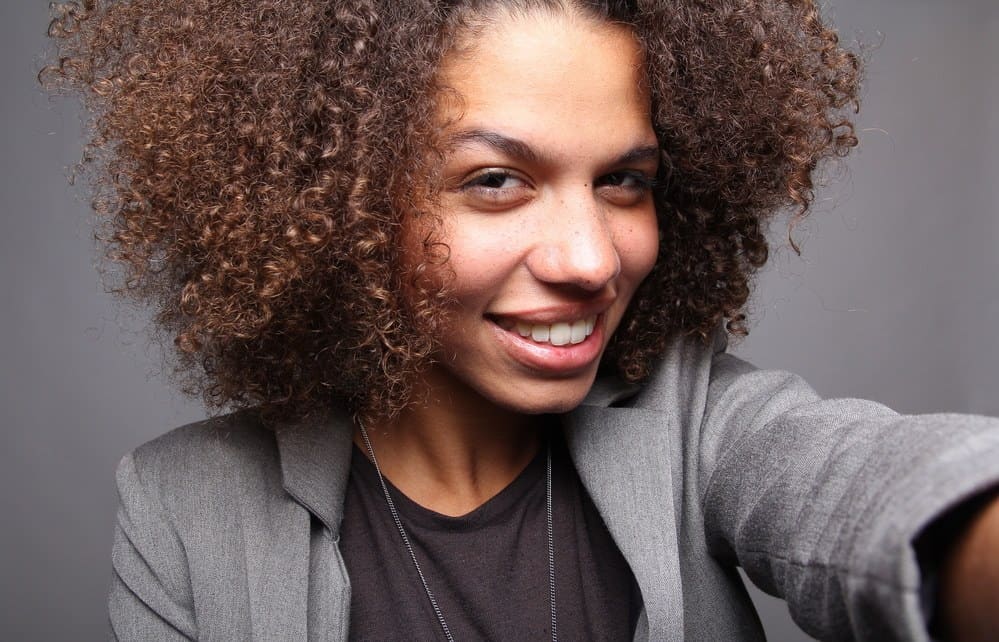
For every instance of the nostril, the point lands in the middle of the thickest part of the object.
(598, 272)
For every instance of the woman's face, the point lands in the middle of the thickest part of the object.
(547, 207)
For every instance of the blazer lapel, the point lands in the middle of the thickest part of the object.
(315, 465)
(621, 455)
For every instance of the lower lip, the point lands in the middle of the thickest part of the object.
(552, 359)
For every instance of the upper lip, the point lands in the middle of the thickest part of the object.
(556, 313)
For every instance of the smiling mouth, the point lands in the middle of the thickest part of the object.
(557, 334)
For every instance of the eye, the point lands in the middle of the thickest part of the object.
(496, 188)
(626, 187)
(629, 179)
(494, 179)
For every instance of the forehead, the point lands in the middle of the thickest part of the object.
(541, 74)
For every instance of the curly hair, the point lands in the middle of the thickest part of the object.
(253, 162)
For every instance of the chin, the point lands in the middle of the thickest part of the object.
(545, 397)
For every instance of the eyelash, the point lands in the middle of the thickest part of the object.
(477, 182)
(642, 181)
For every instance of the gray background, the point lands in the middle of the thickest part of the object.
(896, 298)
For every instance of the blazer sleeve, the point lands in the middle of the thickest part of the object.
(822, 501)
(150, 596)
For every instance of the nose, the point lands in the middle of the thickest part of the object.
(576, 246)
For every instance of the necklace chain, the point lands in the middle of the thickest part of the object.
(416, 563)
(551, 538)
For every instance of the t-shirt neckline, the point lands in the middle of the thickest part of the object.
(530, 481)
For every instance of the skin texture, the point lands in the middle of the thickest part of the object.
(558, 227)
(969, 581)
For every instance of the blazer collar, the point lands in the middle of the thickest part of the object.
(315, 454)
(315, 464)
(609, 390)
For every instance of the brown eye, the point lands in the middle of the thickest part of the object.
(494, 180)
(496, 188)
(625, 187)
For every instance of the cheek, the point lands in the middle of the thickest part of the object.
(638, 246)
(449, 253)
(483, 256)
(474, 275)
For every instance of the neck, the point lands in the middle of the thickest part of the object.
(452, 455)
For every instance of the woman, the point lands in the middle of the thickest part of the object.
(462, 264)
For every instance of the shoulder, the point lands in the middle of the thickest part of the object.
(239, 434)
(203, 514)
(205, 466)
(694, 374)
(706, 379)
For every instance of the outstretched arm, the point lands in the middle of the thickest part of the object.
(825, 503)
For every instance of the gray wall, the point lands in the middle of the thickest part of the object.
(895, 299)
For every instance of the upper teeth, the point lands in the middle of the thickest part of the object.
(558, 334)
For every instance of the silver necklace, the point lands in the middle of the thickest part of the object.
(416, 563)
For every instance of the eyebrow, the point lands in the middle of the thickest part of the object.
(639, 155)
(520, 150)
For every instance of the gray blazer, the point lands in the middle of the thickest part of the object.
(229, 531)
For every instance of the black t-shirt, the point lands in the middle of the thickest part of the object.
(488, 569)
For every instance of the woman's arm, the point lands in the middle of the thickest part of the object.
(823, 502)
(968, 603)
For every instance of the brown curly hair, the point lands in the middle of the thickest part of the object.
(253, 161)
